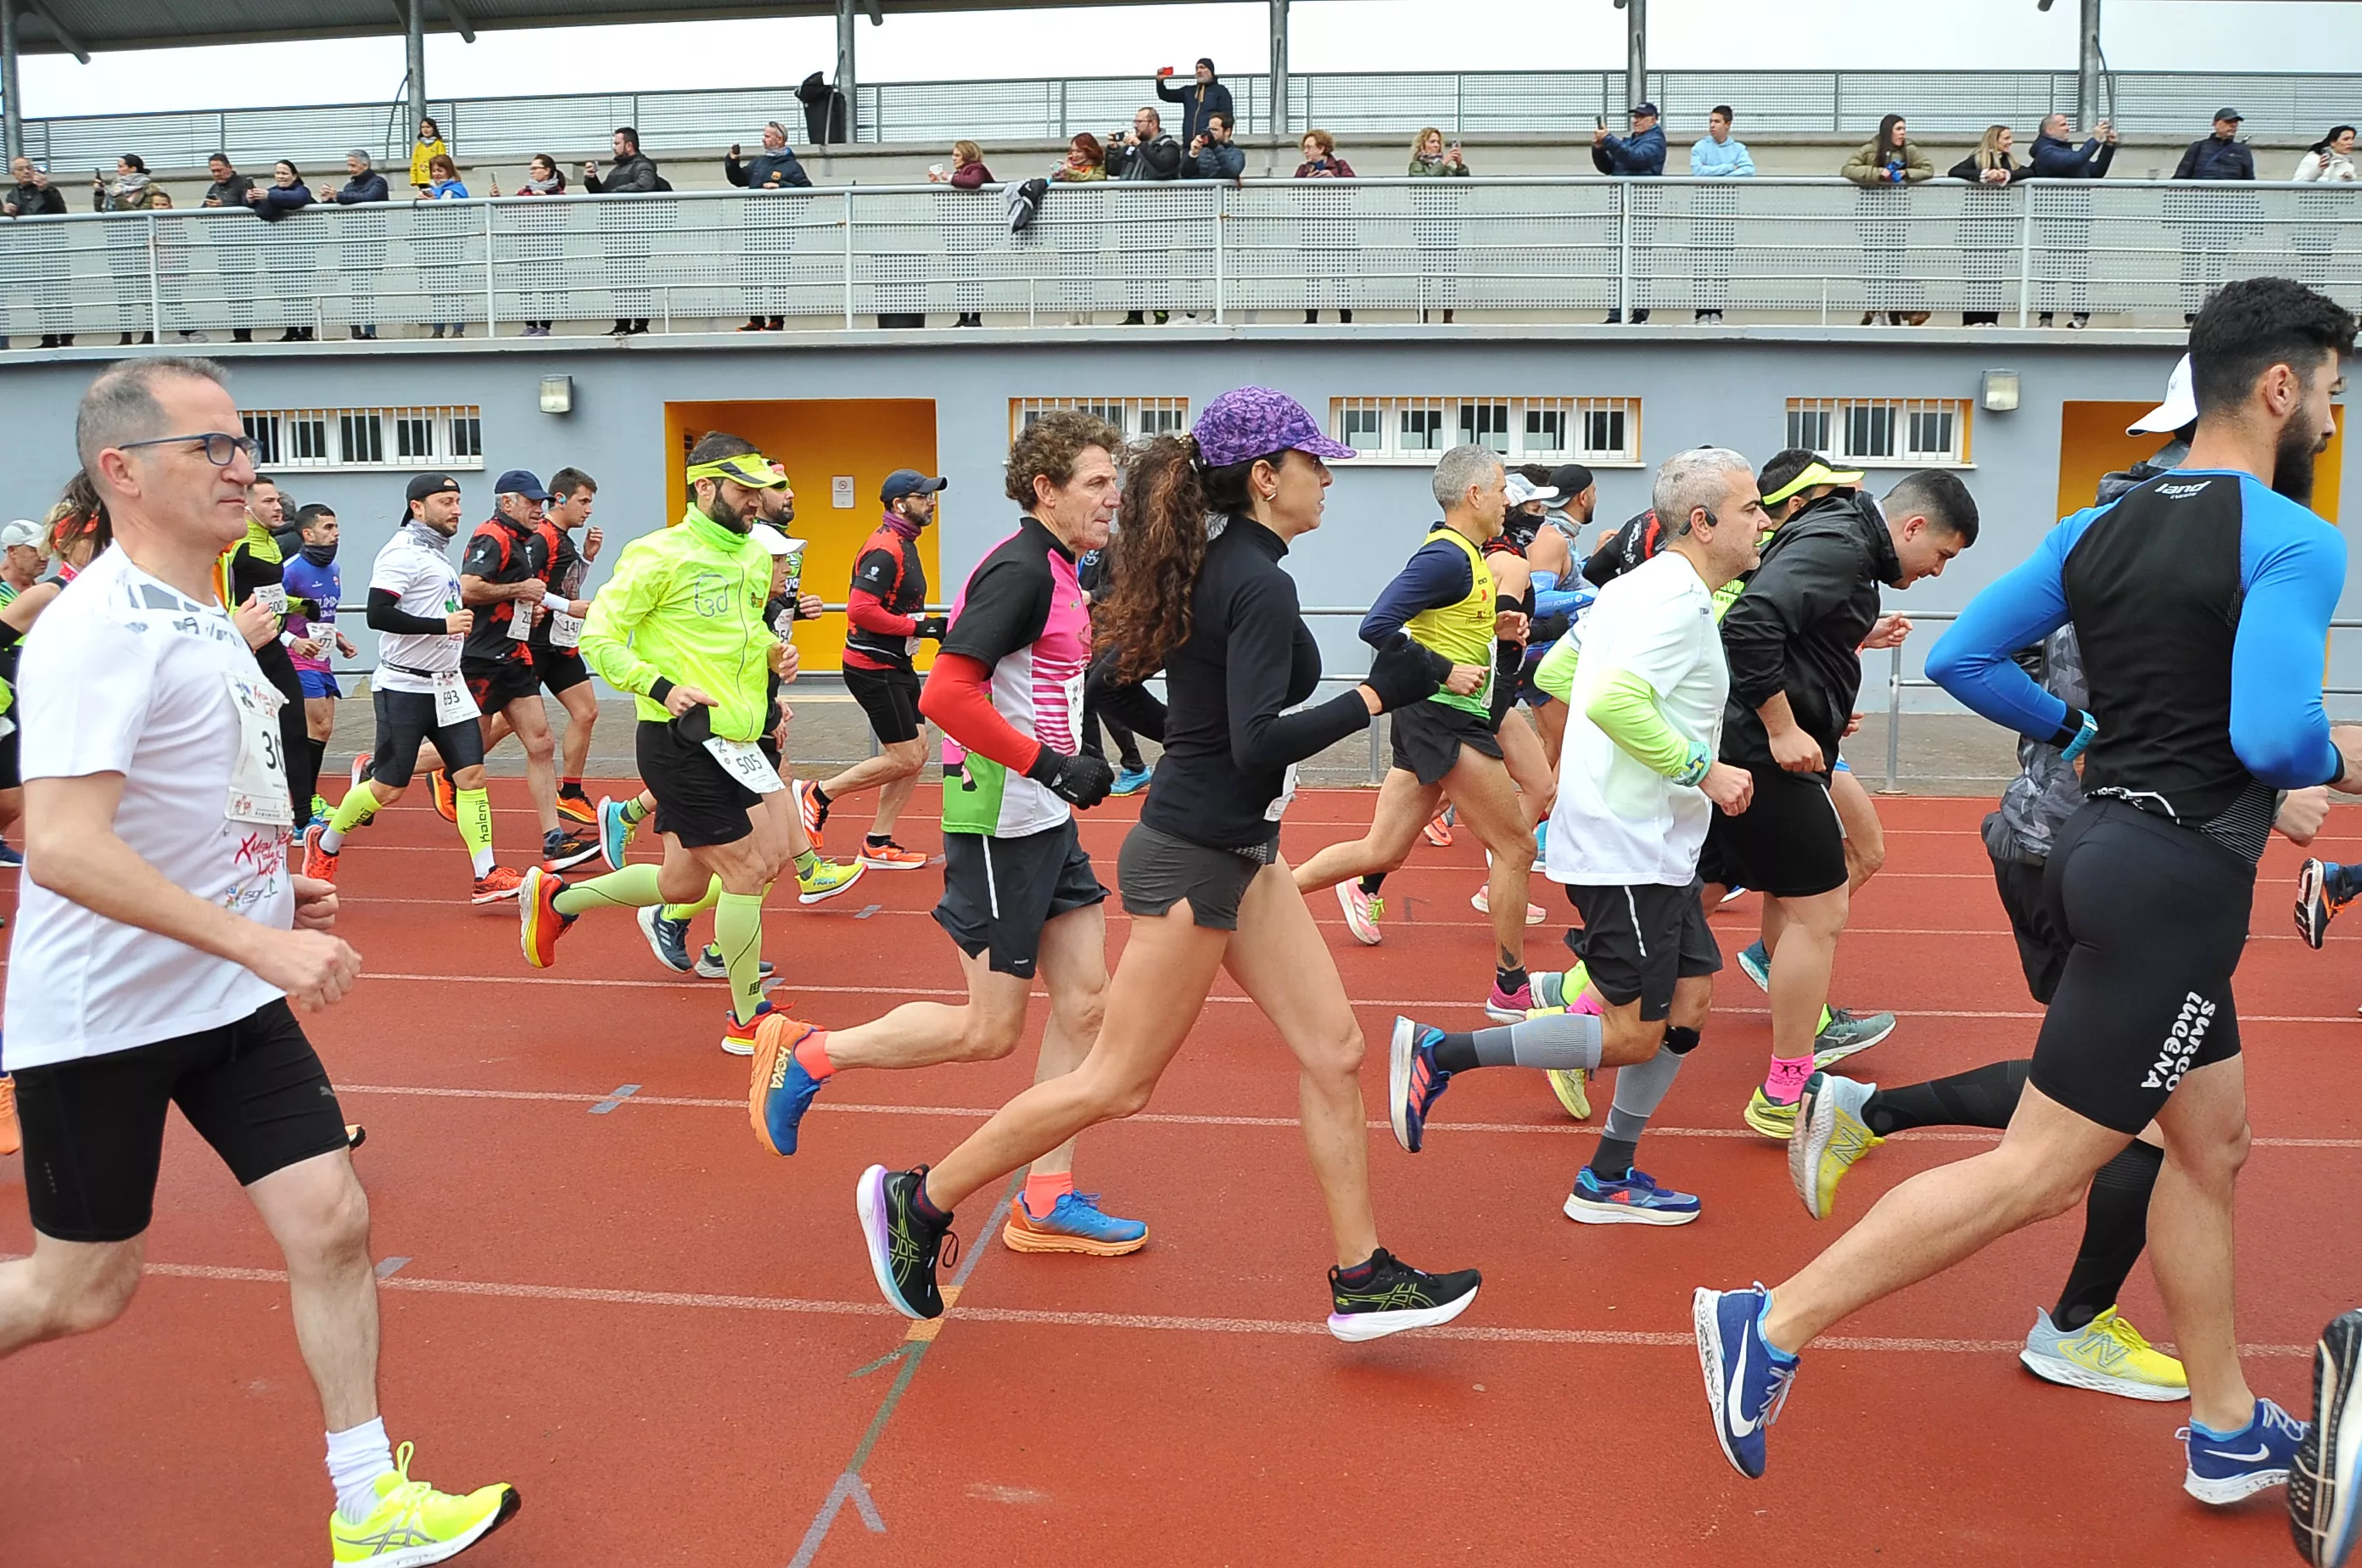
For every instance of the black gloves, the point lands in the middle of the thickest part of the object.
(1403, 672)
(1078, 781)
(932, 627)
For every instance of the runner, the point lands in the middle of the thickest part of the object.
(557, 634)
(1132, 774)
(679, 625)
(2325, 1489)
(886, 616)
(1522, 752)
(1209, 839)
(1449, 745)
(316, 591)
(1019, 892)
(171, 939)
(254, 569)
(2202, 603)
(419, 693)
(1639, 783)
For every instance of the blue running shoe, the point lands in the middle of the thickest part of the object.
(2227, 1466)
(1129, 781)
(614, 833)
(11, 857)
(1637, 1200)
(1414, 1083)
(1756, 965)
(668, 939)
(2324, 1487)
(1747, 1381)
(779, 1090)
(710, 965)
(1072, 1225)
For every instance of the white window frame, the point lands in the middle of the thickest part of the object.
(1128, 413)
(319, 440)
(1902, 414)
(1389, 447)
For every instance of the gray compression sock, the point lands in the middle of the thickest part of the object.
(1558, 1041)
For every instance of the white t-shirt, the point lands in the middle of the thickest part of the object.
(415, 568)
(125, 675)
(1619, 823)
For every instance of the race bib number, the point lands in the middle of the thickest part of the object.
(520, 621)
(257, 778)
(452, 703)
(272, 596)
(746, 763)
(565, 631)
(1278, 807)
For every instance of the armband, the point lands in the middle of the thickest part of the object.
(1701, 761)
(2082, 740)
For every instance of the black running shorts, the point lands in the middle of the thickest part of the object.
(2156, 915)
(95, 1128)
(495, 683)
(1155, 870)
(1788, 842)
(406, 718)
(1638, 940)
(1428, 738)
(999, 892)
(559, 669)
(697, 801)
(890, 698)
(2041, 951)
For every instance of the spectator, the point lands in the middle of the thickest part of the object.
(2208, 220)
(770, 231)
(1880, 167)
(633, 173)
(1718, 154)
(1988, 228)
(233, 247)
(2323, 213)
(1321, 159)
(541, 243)
(290, 265)
(1328, 224)
(961, 233)
(1213, 155)
(1145, 152)
(33, 196)
(2218, 155)
(1714, 212)
(774, 168)
(361, 249)
(131, 190)
(1640, 154)
(423, 155)
(1432, 158)
(2330, 159)
(1085, 164)
(1199, 101)
(1435, 212)
(442, 247)
(1086, 161)
(2066, 215)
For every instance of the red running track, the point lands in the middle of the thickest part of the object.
(669, 1339)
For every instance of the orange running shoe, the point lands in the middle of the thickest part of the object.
(318, 863)
(499, 883)
(891, 857)
(815, 814)
(447, 797)
(1439, 832)
(11, 1139)
(578, 809)
(539, 921)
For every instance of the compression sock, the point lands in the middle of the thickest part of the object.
(319, 750)
(1560, 1041)
(1044, 1188)
(811, 1054)
(476, 827)
(356, 1457)
(691, 911)
(1360, 1273)
(358, 806)
(2115, 1230)
(738, 931)
(805, 862)
(632, 887)
(1639, 1089)
(1373, 882)
(1982, 1097)
(635, 809)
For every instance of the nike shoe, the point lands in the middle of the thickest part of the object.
(2321, 892)
(1747, 1381)
(1756, 964)
(318, 863)
(2326, 1481)
(12, 1136)
(2226, 1467)
(414, 1524)
(1845, 1032)
(780, 1092)
(1414, 1083)
(576, 807)
(1571, 1085)
(361, 768)
(668, 939)
(815, 815)
(1636, 1199)
(1827, 1135)
(500, 883)
(1439, 831)
(738, 1039)
(711, 966)
(1129, 781)
(614, 833)
(561, 849)
(1769, 1116)
(447, 795)
(891, 857)
(1361, 911)
(1482, 902)
(1509, 1007)
(1072, 1225)
(826, 880)
(904, 1244)
(2106, 1355)
(539, 925)
(1397, 1297)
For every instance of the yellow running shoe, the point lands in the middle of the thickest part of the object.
(826, 880)
(1769, 1116)
(2107, 1354)
(1569, 1085)
(1827, 1136)
(413, 1523)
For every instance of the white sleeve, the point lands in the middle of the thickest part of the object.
(85, 690)
(389, 572)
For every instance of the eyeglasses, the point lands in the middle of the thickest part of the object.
(221, 449)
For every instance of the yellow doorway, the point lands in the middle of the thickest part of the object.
(2092, 445)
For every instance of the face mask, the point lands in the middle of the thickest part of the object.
(320, 555)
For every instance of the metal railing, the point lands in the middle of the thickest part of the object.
(1561, 103)
(1810, 250)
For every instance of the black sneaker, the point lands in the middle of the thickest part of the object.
(2325, 1511)
(668, 939)
(561, 849)
(1398, 1297)
(904, 1244)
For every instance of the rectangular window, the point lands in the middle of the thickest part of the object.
(1486, 424)
(1885, 432)
(413, 437)
(307, 439)
(1600, 431)
(1137, 418)
(263, 430)
(394, 438)
(363, 437)
(1422, 430)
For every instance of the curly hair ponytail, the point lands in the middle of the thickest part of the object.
(1169, 497)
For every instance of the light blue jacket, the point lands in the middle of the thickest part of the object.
(1710, 158)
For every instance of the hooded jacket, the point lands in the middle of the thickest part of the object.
(2055, 158)
(1640, 154)
(1197, 103)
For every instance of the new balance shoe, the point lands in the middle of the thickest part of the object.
(815, 815)
(414, 1524)
(2106, 1355)
(711, 966)
(562, 850)
(1438, 830)
(2322, 889)
(1482, 902)
(318, 863)
(1756, 964)
(904, 1244)
(1509, 1007)
(1362, 912)
(1571, 1085)
(2225, 1467)
(891, 857)
(668, 939)
(447, 795)
(1414, 1083)
(576, 807)
(1769, 1116)
(1747, 1381)
(738, 1039)
(539, 923)
(2324, 1483)
(826, 880)
(779, 1090)
(500, 883)
(614, 833)
(1129, 781)
(1827, 1135)
(1844, 1033)
(1073, 1224)
(1397, 1297)
(1634, 1199)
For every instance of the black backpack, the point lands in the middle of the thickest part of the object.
(1025, 203)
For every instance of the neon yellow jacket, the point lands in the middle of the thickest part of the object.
(685, 606)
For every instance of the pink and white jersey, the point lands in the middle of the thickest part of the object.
(1021, 614)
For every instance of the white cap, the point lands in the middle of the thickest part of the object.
(2180, 407)
(1522, 489)
(20, 532)
(774, 541)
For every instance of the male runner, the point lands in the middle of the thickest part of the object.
(253, 569)
(1639, 783)
(170, 937)
(679, 625)
(1449, 745)
(886, 616)
(1019, 891)
(2202, 605)
(557, 634)
(312, 581)
(419, 693)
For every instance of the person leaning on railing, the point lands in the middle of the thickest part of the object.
(233, 255)
(130, 191)
(967, 172)
(1085, 164)
(2067, 216)
(1213, 155)
(362, 240)
(775, 168)
(1882, 167)
(423, 155)
(2208, 222)
(541, 240)
(1328, 224)
(1431, 158)
(290, 269)
(1437, 214)
(33, 196)
(1145, 152)
(1640, 154)
(439, 263)
(1714, 212)
(633, 173)
(1986, 230)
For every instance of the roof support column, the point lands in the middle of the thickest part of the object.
(13, 133)
(1636, 53)
(1279, 126)
(413, 45)
(846, 81)
(2087, 68)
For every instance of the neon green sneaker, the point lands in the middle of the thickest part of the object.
(1769, 1116)
(826, 880)
(1573, 1096)
(415, 1524)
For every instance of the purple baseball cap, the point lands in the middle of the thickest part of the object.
(1254, 422)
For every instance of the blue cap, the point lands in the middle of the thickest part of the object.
(517, 481)
(909, 482)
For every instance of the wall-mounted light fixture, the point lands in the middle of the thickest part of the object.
(557, 394)
(1998, 393)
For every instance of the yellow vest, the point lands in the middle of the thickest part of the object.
(1461, 633)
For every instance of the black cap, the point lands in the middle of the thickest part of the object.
(1644, 107)
(2229, 115)
(426, 485)
(909, 482)
(1570, 480)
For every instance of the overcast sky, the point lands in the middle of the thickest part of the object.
(1329, 35)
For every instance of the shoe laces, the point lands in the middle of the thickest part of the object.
(1782, 1379)
(2123, 1333)
(1377, 908)
(406, 1494)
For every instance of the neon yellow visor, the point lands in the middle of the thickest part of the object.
(749, 469)
(1815, 473)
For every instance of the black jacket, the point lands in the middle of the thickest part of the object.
(38, 201)
(633, 175)
(2212, 157)
(1157, 160)
(2053, 158)
(1799, 625)
(1197, 103)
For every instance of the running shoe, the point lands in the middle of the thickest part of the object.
(614, 833)
(1072, 1225)
(12, 1136)
(414, 1524)
(1361, 911)
(447, 796)
(668, 939)
(562, 849)
(2327, 1479)
(891, 857)
(361, 768)
(1571, 1085)
(1541, 846)
(815, 815)
(2228, 1466)
(1439, 831)
(320, 809)
(1730, 893)
(1482, 902)
(780, 1092)
(1826, 1137)
(318, 863)
(2321, 890)
(904, 1244)
(1747, 1381)
(500, 883)
(2106, 1355)
(826, 880)
(738, 1039)
(1128, 781)
(1636, 1199)
(1845, 1032)
(355, 1135)
(1414, 1083)
(539, 923)
(576, 807)
(1397, 1297)
(1769, 1116)
(1509, 1007)
(1756, 964)
(711, 966)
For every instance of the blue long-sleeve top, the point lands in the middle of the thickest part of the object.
(1437, 574)
(1550, 599)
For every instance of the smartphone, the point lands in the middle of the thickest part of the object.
(1164, 70)
(1455, 146)
(1600, 121)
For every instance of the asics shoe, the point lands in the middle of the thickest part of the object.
(414, 1524)
(539, 923)
(361, 768)
(447, 796)
(1845, 1032)
(904, 1244)
(1362, 912)
(500, 883)
(1769, 1116)
(668, 939)
(1414, 1083)
(1571, 1085)
(1635, 1200)
(1482, 902)
(1072, 1225)
(2106, 1355)
(891, 857)
(1396, 1297)
(562, 850)
(1439, 831)
(614, 833)
(1129, 781)
(12, 1136)
(318, 863)
(711, 966)
(738, 1039)
(2321, 892)
(576, 807)
(1747, 1381)
(815, 815)
(1756, 964)
(1509, 1007)
(826, 880)
(2325, 1485)
(1826, 1137)
(780, 1090)
(2226, 1467)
